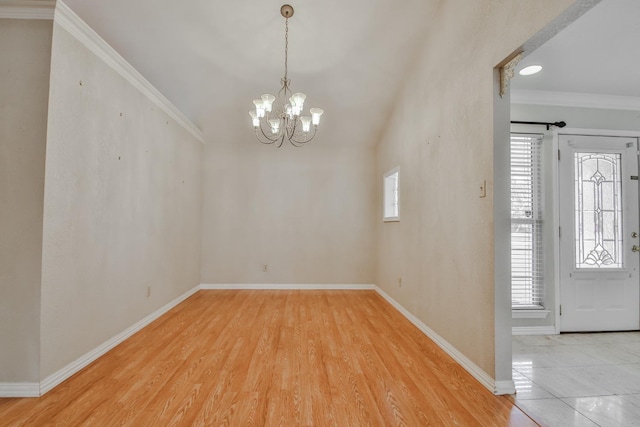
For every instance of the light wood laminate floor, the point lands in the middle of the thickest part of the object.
(272, 358)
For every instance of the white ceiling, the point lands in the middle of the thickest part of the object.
(597, 54)
(212, 58)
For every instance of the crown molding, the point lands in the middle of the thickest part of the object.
(79, 29)
(22, 9)
(574, 99)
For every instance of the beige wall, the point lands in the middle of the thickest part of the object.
(441, 135)
(308, 213)
(25, 48)
(122, 206)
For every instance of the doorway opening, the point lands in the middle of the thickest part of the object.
(588, 262)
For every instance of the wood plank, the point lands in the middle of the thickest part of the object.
(274, 358)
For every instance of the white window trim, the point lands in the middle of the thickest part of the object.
(390, 218)
(538, 313)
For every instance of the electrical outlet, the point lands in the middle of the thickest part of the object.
(483, 189)
(399, 282)
(148, 291)
(265, 267)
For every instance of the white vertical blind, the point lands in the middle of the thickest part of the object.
(527, 268)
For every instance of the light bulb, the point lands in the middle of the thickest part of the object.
(267, 101)
(254, 118)
(275, 125)
(315, 115)
(259, 107)
(294, 107)
(306, 123)
(298, 99)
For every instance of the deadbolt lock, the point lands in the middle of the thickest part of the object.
(635, 248)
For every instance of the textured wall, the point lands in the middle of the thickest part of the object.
(122, 206)
(308, 213)
(441, 136)
(25, 48)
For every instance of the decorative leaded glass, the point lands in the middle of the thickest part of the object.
(598, 210)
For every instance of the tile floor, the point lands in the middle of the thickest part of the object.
(579, 379)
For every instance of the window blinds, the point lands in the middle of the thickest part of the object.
(527, 268)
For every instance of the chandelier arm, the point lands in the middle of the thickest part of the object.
(294, 136)
(315, 129)
(263, 142)
(285, 82)
(291, 131)
(266, 137)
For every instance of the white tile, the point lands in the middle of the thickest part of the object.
(527, 389)
(552, 356)
(572, 339)
(616, 337)
(534, 340)
(596, 375)
(566, 382)
(632, 398)
(520, 347)
(631, 347)
(554, 412)
(617, 379)
(610, 354)
(607, 410)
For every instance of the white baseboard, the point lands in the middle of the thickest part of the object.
(504, 387)
(496, 387)
(56, 378)
(35, 389)
(501, 387)
(302, 287)
(19, 389)
(533, 330)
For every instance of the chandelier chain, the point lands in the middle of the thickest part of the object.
(286, 46)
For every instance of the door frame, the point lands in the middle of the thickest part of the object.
(556, 199)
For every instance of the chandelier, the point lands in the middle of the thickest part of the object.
(276, 119)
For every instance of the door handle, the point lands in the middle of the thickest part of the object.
(635, 248)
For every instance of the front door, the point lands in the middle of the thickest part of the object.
(598, 185)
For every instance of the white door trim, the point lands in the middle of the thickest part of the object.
(556, 197)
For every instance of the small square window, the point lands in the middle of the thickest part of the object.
(392, 195)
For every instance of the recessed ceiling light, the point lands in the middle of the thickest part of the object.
(531, 69)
